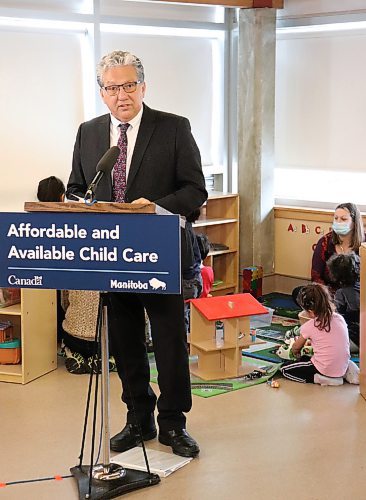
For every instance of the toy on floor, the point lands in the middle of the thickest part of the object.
(292, 334)
(274, 384)
(285, 351)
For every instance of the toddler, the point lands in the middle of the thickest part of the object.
(328, 333)
(207, 273)
(344, 270)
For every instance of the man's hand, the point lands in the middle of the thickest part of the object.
(141, 201)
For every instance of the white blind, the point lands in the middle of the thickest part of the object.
(41, 107)
(321, 102)
(159, 10)
(181, 78)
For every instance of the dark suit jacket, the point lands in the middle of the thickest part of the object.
(165, 166)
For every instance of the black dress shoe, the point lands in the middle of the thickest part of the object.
(181, 442)
(129, 437)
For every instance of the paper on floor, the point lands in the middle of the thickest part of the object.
(160, 462)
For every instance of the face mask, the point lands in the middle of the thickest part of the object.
(341, 228)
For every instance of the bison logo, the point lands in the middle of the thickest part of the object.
(156, 284)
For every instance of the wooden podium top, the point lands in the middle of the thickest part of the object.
(104, 207)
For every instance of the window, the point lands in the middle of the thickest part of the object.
(320, 114)
(48, 84)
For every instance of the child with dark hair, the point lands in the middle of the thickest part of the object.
(192, 280)
(344, 270)
(207, 273)
(51, 189)
(328, 333)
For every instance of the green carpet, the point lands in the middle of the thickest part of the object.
(207, 389)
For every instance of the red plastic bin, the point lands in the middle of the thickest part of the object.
(10, 352)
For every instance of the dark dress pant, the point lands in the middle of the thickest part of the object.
(127, 335)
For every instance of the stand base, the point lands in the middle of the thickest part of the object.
(101, 489)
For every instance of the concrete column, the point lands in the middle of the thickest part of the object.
(256, 86)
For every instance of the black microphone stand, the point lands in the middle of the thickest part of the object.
(105, 480)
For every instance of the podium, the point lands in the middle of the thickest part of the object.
(94, 247)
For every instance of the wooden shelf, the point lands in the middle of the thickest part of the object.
(213, 253)
(212, 222)
(210, 345)
(220, 223)
(11, 310)
(11, 373)
(34, 322)
(223, 286)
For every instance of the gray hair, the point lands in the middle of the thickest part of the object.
(119, 58)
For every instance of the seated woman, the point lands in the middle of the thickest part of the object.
(77, 310)
(346, 236)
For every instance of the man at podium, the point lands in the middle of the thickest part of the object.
(159, 162)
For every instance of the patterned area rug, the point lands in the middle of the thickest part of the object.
(282, 304)
(276, 331)
(268, 354)
(284, 318)
(262, 371)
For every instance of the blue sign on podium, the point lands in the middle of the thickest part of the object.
(90, 251)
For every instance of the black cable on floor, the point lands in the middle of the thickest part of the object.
(56, 478)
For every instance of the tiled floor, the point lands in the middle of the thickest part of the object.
(299, 441)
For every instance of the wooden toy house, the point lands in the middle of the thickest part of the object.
(219, 357)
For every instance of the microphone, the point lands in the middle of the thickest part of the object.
(104, 166)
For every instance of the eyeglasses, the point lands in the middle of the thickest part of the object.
(128, 87)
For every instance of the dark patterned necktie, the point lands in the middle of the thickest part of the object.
(119, 171)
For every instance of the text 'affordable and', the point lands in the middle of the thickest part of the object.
(66, 231)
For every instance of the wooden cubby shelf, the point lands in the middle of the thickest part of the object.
(219, 221)
(34, 322)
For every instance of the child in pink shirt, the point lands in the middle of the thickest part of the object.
(327, 331)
